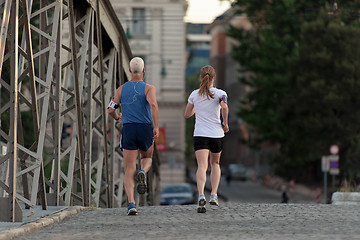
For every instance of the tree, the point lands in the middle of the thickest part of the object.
(268, 53)
(265, 51)
(321, 104)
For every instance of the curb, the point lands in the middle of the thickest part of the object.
(40, 223)
(346, 198)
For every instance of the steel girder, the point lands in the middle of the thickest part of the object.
(64, 77)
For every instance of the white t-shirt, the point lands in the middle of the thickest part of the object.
(207, 113)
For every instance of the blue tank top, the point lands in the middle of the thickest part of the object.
(135, 108)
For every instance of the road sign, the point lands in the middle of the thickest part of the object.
(334, 164)
(330, 164)
(334, 149)
(325, 164)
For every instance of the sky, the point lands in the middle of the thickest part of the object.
(205, 11)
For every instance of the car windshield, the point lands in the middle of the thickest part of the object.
(176, 189)
(236, 167)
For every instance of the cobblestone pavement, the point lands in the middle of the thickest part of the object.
(228, 221)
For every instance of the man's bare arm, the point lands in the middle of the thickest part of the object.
(115, 101)
(151, 98)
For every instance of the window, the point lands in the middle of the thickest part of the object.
(138, 21)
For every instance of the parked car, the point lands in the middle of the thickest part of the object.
(178, 194)
(237, 171)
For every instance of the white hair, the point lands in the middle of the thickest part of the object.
(137, 65)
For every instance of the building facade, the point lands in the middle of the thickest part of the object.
(198, 48)
(227, 78)
(156, 32)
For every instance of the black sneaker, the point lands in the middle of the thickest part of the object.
(142, 186)
(202, 202)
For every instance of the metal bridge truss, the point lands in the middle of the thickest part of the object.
(61, 60)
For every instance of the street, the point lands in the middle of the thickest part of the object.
(248, 210)
(255, 192)
(250, 192)
(231, 220)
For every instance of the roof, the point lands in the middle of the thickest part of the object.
(224, 18)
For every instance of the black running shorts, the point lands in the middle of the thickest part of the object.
(215, 145)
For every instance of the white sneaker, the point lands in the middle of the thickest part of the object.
(202, 202)
(214, 200)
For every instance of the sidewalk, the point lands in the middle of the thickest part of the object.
(40, 219)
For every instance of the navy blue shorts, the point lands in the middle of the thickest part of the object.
(136, 136)
(215, 145)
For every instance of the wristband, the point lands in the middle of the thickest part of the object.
(113, 105)
(223, 98)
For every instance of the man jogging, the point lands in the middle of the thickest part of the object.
(139, 113)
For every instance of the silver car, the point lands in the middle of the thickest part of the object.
(178, 194)
(237, 171)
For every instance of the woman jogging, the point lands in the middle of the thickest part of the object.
(206, 103)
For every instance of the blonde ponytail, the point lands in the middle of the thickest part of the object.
(207, 74)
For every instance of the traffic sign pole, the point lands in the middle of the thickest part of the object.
(330, 164)
(325, 187)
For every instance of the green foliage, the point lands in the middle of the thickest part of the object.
(348, 186)
(47, 154)
(27, 126)
(266, 51)
(301, 59)
(320, 107)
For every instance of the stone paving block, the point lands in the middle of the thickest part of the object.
(228, 221)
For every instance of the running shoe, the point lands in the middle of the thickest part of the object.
(141, 177)
(132, 209)
(202, 202)
(214, 200)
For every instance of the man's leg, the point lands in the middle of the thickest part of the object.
(130, 169)
(146, 159)
(145, 162)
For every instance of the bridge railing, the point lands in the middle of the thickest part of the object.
(60, 64)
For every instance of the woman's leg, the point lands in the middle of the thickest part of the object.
(202, 161)
(215, 171)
